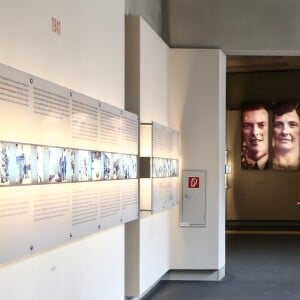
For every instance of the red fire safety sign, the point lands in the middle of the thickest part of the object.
(193, 182)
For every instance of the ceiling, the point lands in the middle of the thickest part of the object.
(259, 38)
(262, 79)
(248, 32)
(262, 63)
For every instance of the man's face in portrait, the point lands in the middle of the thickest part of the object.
(255, 133)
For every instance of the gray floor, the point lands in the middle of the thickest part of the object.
(257, 267)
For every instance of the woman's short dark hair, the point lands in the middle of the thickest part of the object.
(283, 108)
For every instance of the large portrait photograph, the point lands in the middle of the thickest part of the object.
(255, 137)
(285, 137)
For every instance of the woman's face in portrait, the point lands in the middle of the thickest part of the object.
(286, 131)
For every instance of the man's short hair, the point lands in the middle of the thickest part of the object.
(253, 106)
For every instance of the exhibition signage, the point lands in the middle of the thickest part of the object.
(68, 164)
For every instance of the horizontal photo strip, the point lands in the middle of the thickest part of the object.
(164, 167)
(34, 164)
(285, 137)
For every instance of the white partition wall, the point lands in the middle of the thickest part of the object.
(197, 109)
(78, 45)
(91, 268)
(147, 240)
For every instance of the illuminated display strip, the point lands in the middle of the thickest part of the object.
(22, 164)
(164, 167)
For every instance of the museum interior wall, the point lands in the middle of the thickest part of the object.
(148, 238)
(197, 108)
(86, 55)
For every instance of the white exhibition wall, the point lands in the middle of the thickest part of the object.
(154, 229)
(197, 109)
(88, 57)
(154, 76)
(154, 249)
(147, 239)
(91, 268)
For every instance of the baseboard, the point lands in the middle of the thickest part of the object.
(184, 275)
(145, 293)
(195, 275)
(263, 225)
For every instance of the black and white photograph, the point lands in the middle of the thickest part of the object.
(96, 165)
(65, 165)
(132, 167)
(23, 164)
(118, 166)
(84, 165)
(174, 168)
(167, 167)
(107, 165)
(72, 165)
(55, 164)
(4, 167)
(157, 167)
(40, 164)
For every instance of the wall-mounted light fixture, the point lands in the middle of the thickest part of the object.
(228, 168)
